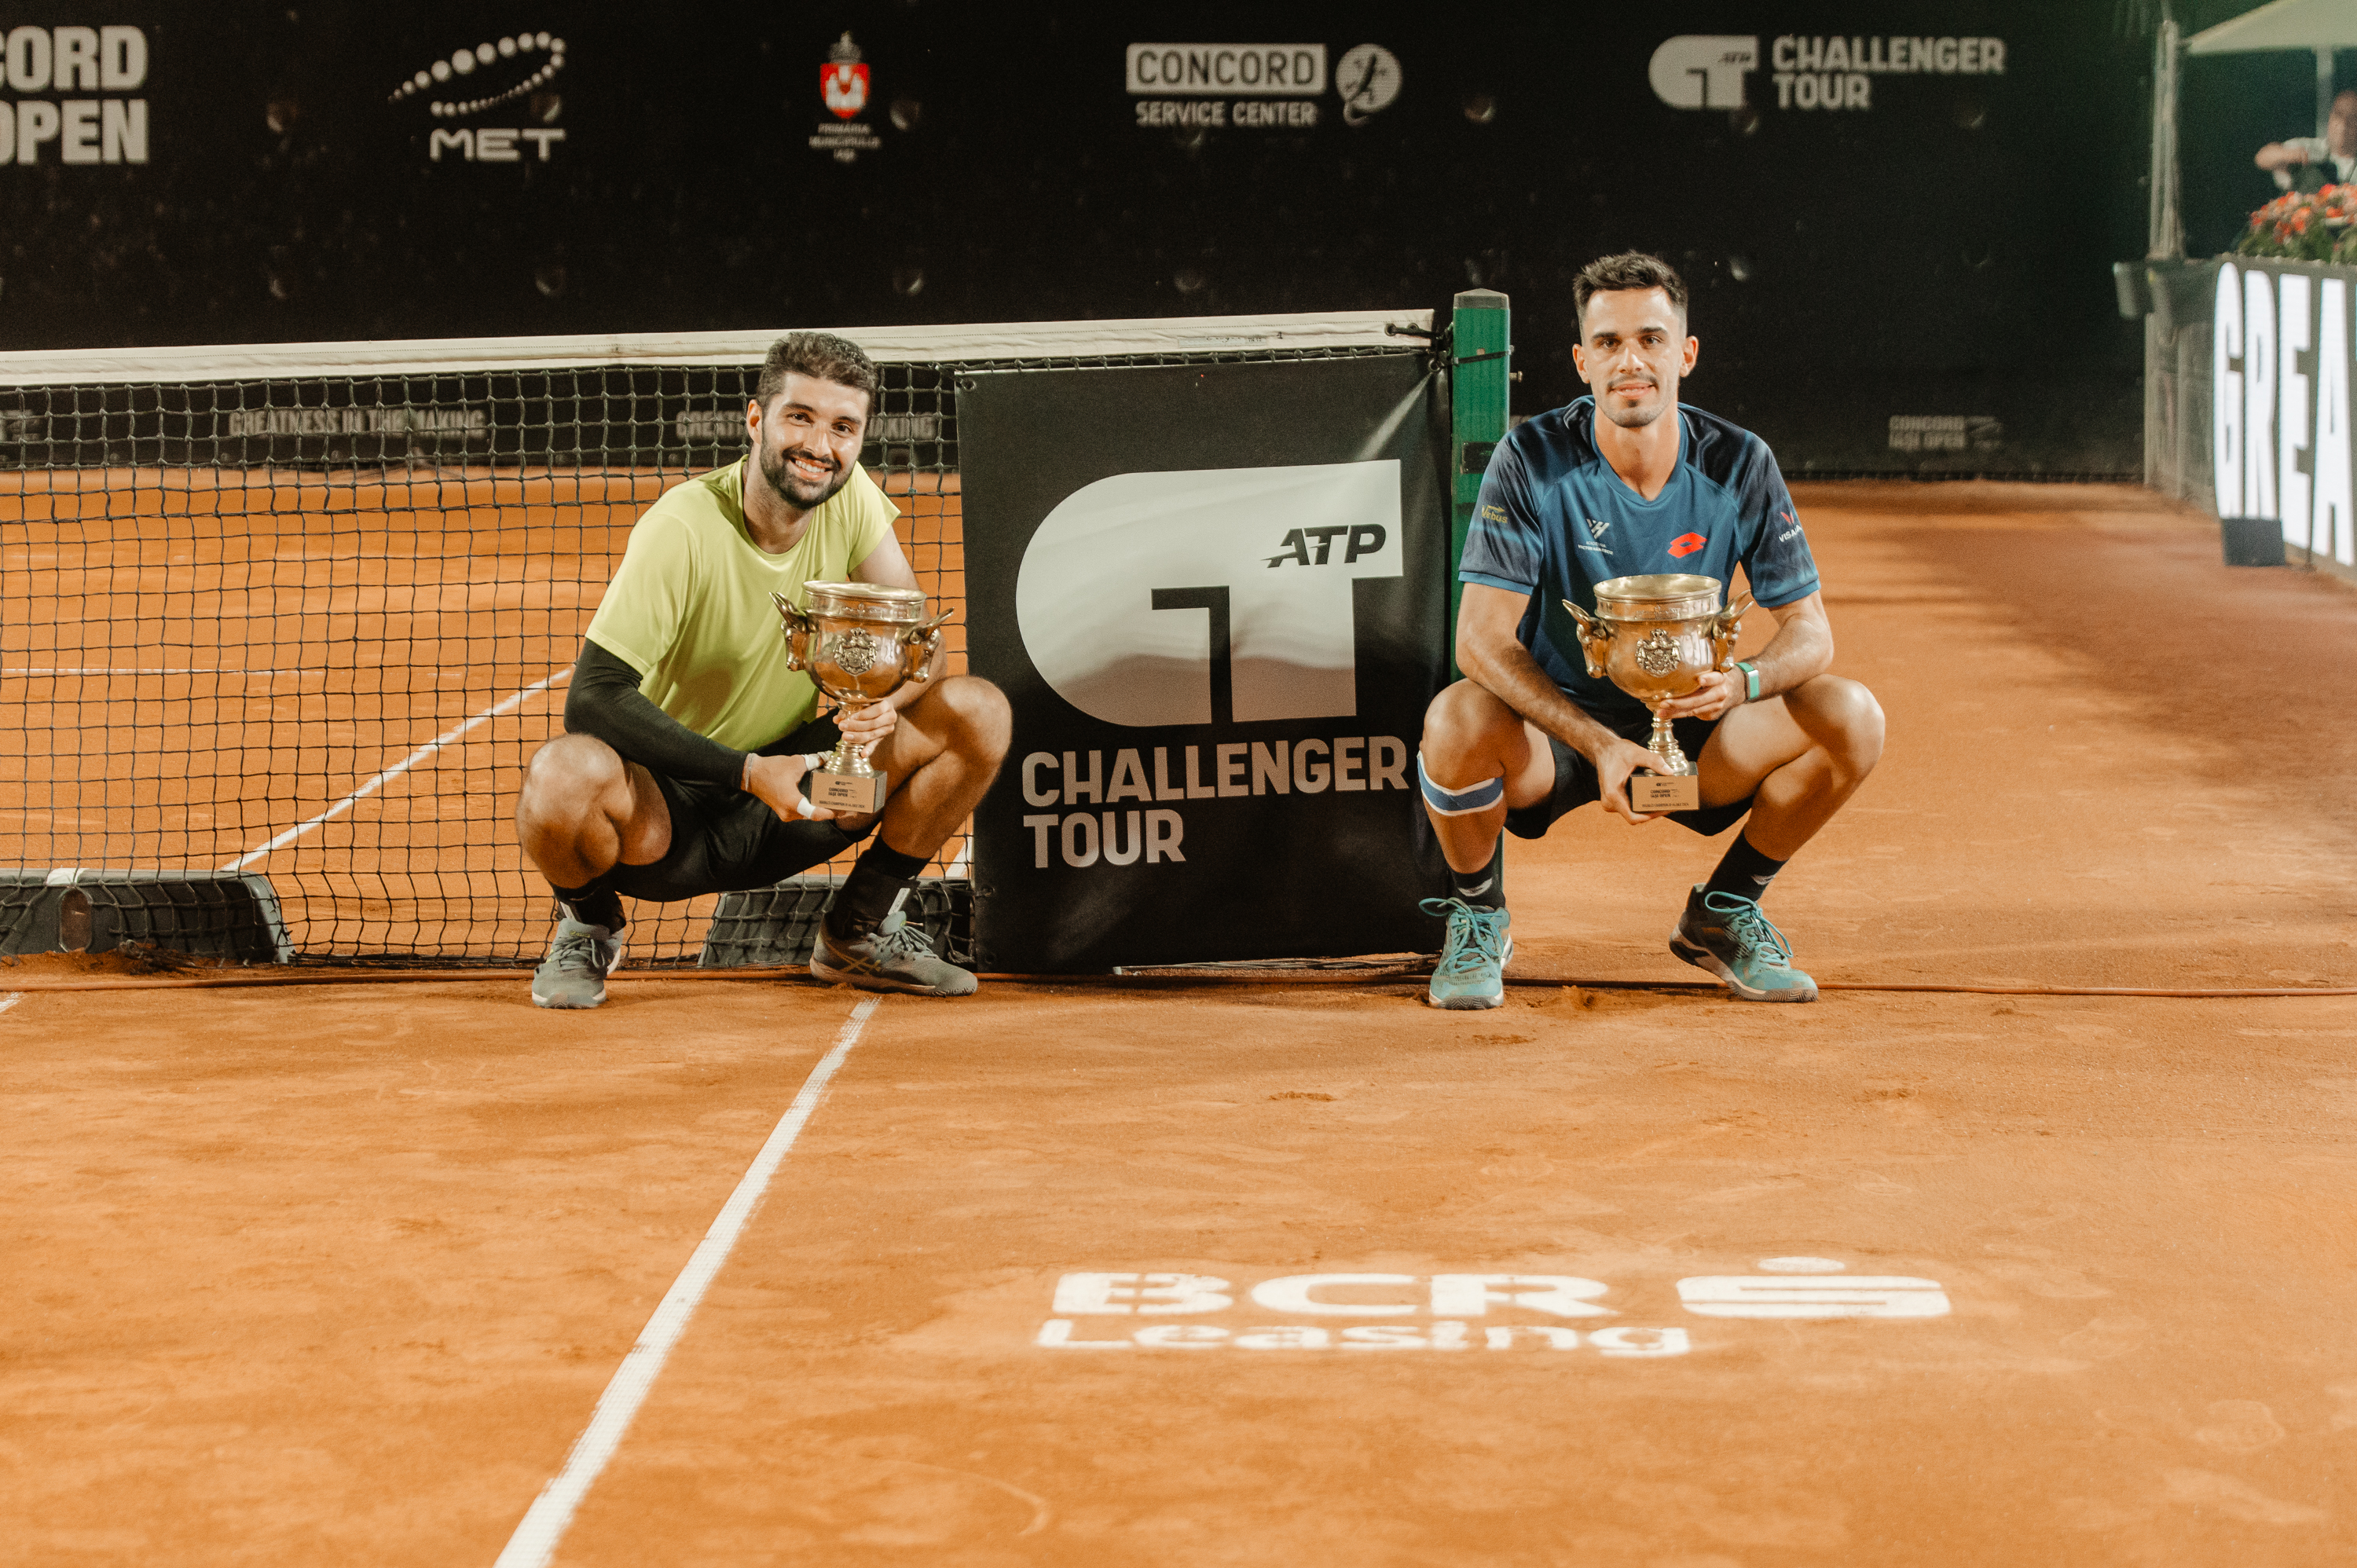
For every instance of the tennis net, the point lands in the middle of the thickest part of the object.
(306, 610)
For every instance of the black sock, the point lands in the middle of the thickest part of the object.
(595, 905)
(1485, 888)
(1745, 872)
(875, 885)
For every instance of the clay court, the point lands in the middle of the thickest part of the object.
(341, 1272)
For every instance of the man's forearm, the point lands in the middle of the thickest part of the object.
(1801, 651)
(1514, 677)
(605, 701)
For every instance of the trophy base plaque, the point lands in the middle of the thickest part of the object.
(1651, 792)
(859, 793)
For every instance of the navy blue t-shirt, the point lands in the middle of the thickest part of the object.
(1555, 519)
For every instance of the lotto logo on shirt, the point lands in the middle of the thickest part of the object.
(1685, 544)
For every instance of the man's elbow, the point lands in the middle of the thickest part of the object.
(1471, 655)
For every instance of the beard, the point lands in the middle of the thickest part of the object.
(1633, 418)
(802, 495)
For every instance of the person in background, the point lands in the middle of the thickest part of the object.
(2311, 163)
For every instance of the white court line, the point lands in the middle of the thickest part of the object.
(10, 1000)
(534, 1541)
(505, 705)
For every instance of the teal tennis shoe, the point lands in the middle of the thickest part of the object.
(1729, 937)
(1472, 970)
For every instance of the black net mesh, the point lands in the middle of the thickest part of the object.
(314, 627)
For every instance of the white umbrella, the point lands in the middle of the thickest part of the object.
(2319, 25)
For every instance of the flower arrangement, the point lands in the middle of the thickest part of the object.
(2305, 226)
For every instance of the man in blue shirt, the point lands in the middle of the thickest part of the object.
(1624, 482)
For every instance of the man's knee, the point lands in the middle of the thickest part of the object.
(569, 777)
(1464, 719)
(1845, 716)
(981, 724)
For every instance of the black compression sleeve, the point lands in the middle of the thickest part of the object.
(605, 701)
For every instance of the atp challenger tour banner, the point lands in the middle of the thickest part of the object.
(1216, 597)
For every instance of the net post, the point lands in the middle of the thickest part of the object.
(1482, 361)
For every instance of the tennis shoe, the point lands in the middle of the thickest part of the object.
(1472, 968)
(580, 958)
(1728, 936)
(895, 956)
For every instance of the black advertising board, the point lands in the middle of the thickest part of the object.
(1215, 596)
(1898, 223)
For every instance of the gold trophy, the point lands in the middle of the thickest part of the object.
(859, 641)
(1654, 637)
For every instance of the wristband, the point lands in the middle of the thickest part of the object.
(1750, 680)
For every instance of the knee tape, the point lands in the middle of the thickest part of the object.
(1459, 802)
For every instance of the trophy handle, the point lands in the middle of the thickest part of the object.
(1725, 627)
(798, 629)
(925, 641)
(1595, 639)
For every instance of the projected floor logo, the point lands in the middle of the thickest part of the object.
(512, 74)
(1450, 1312)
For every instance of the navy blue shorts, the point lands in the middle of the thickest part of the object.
(1575, 783)
(723, 840)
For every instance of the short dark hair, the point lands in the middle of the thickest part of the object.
(821, 356)
(1629, 270)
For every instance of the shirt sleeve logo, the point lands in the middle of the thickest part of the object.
(1686, 544)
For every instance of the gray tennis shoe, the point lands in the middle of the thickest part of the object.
(580, 958)
(895, 956)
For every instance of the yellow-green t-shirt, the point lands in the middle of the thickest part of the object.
(689, 606)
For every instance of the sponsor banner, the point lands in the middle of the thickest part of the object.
(846, 92)
(665, 419)
(2280, 421)
(1218, 619)
(1947, 433)
(1276, 87)
(69, 95)
(1711, 71)
(493, 100)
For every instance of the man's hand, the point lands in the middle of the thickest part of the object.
(866, 727)
(1615, 761)
(1720, 692)
(778, 781)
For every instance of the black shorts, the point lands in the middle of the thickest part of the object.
(723, 840)
(1574, 782)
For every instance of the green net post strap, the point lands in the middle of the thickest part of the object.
(1482, 359)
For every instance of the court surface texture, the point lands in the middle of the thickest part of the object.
(340, 1273)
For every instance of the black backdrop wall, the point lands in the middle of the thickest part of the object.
(1915, 280)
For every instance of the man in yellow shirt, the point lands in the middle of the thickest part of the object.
(687, 738)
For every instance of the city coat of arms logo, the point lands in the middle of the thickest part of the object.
(843, 80)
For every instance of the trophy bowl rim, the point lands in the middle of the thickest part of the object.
(872, 602)
(1658, 595)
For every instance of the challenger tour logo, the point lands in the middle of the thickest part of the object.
(1708, 70)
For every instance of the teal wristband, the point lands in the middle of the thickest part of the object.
(1750, 680)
